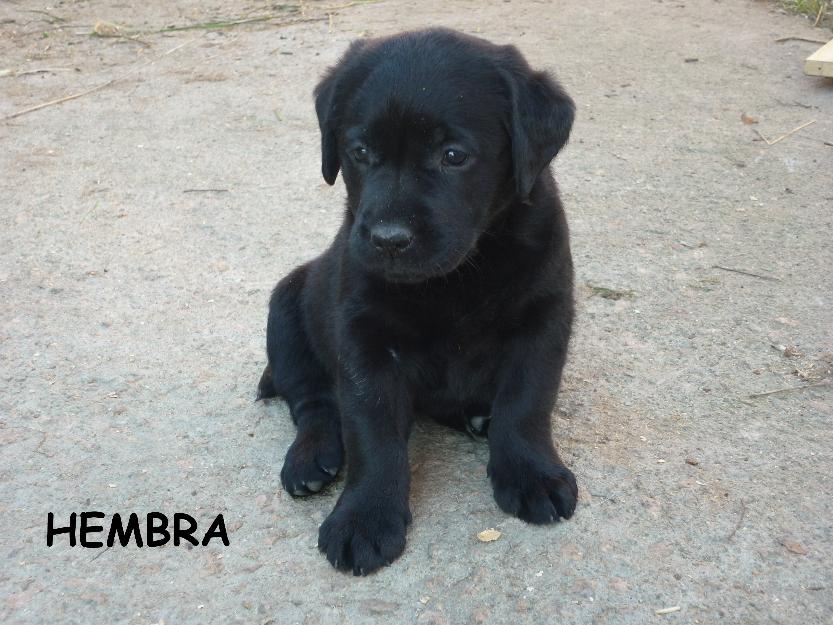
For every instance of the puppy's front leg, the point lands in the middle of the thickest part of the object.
(528, 477)
(366, 529)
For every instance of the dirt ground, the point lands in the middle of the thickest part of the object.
(144, 224)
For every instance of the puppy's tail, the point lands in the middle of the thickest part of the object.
(266, 386)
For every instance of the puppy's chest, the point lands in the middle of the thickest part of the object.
(451, 343)
(459, 358)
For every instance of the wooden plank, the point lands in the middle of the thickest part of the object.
(820, 63)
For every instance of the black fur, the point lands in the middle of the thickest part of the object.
(447, 291)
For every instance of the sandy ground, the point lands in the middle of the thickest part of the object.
(133, 308)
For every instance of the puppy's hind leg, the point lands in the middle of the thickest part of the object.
(295, 374)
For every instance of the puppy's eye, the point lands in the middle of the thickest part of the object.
(454, 157)
(360, 154)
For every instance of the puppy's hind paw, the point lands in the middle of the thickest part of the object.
(312, 462)
(478, 427)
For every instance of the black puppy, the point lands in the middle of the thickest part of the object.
(446, 292)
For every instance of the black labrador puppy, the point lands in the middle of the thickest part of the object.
(446, 292)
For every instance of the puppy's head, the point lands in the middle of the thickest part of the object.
(435, 133)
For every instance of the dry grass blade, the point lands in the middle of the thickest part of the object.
(808, 39)
(664, 611)
(232, 23)
(790, 389)
(336, 7)
(52, 18)
(220, 24)
(285, 10)
(785, 135)
(739, 522)
(38, 70)
(821, 13)
(81, 94)
(815, 10)
(793, 131)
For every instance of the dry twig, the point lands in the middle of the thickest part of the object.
(101, 553)
(746, 273)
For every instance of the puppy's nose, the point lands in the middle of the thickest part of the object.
(391, 238)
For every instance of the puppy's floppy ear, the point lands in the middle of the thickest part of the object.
(329, 100)
(540, 119)
(325, 93)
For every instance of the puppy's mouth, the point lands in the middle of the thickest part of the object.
(414, 268)
(404, 275)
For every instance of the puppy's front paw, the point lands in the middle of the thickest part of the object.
(535, 489)
(363, 536)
